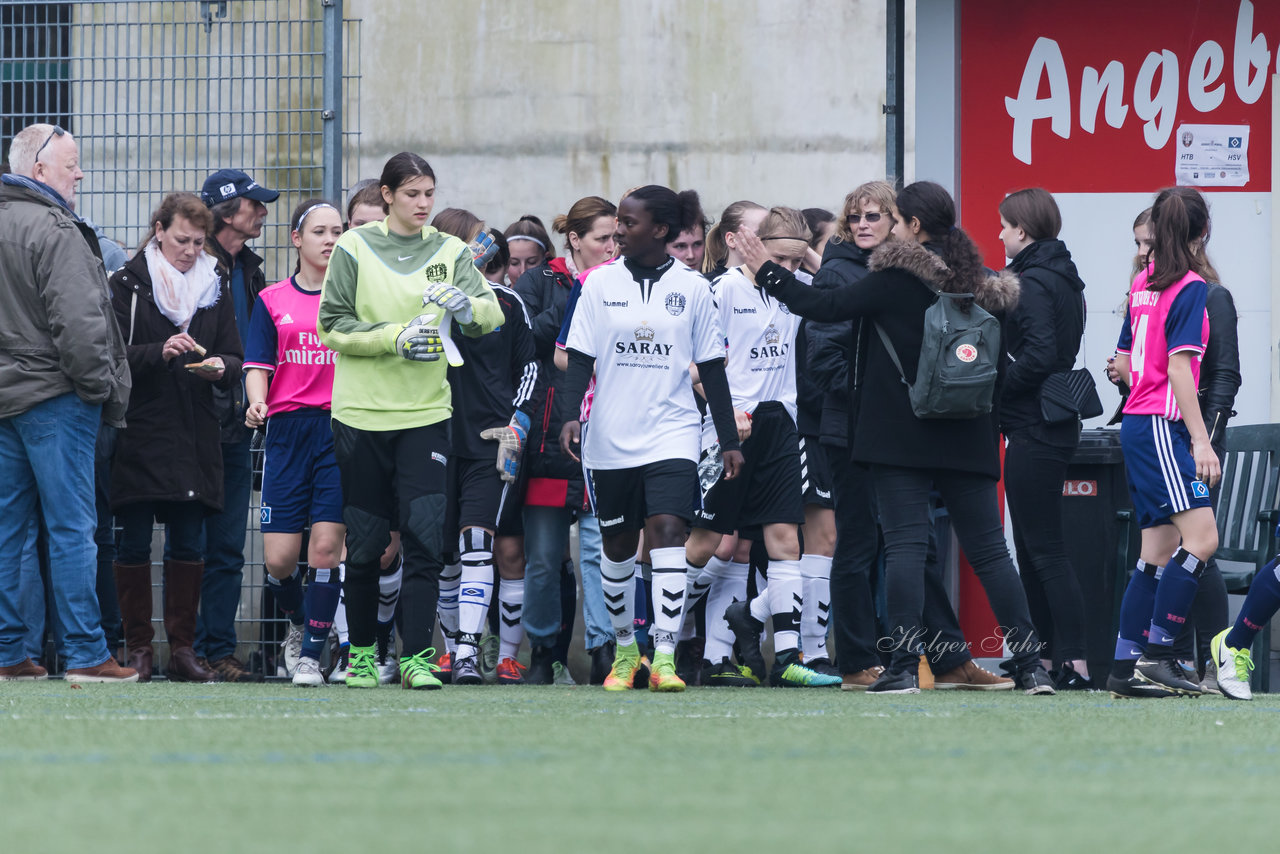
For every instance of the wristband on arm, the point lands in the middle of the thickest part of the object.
(720, 402)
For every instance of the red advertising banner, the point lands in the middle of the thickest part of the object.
(1087, 97)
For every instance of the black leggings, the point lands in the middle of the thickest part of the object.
(386, 475)
(971, 499)
(1033, 475)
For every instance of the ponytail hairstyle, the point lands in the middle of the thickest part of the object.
(529, 227)
(500, 260)
(304, 209)
(933, 206)
(402, 168)
(462, 224)
(1179, 218)
(730, 221)
(677, 211)
(581, 216)
(784, 224)
(1034, 211)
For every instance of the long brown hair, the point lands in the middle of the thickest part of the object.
(933, 206)
(185, 205)
(1179, 217)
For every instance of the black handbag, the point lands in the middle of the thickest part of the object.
(1069, 395)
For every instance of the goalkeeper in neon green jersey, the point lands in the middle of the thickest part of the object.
(391, 291)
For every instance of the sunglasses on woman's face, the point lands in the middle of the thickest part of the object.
(872, 217)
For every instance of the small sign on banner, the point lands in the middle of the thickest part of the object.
(1080, 489)
(1212, 155)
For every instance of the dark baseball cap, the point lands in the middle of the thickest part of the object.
(227, 184)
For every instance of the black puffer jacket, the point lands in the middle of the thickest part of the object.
(1220, 368)
(545, 291)
(1042, 335)
(171, 449)
(834, 347)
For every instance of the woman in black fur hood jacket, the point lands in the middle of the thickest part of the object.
(910, 457)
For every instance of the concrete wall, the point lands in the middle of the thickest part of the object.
(524, 107)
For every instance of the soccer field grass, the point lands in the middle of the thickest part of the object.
(165, 767)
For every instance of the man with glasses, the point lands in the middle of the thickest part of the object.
(64, 371)
(239, 206)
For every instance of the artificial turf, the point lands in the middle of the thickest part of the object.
(235, 768)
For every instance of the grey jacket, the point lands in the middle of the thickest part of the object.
(57, 330)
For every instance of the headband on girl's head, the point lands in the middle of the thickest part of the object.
(311, 210)
(513, 238)
(786, 237)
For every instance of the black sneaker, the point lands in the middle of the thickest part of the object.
(1035, 680)
(689, 659)
(1168, 674)
(466, 671)
(823, 666)
(601, 662)
(895, 682)
(726, 674)
(746, 629)
(1121, 687)
(1067, 679)
(540, 671)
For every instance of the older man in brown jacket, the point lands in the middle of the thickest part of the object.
(62, 372)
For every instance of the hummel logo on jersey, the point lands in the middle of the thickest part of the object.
(607, 522)
(437, 272)
(404, 257)
(617, 303)
(744, 310)
(286, 319)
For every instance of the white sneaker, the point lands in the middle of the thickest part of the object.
(1232, 666)
(291, 649)
(308, 672)
(388, 665)
(339, 674)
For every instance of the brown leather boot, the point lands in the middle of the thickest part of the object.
(181, 603)
(133, 589)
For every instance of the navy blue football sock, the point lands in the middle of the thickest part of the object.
(1174, 594)
(1135, 613)
(1259, 606)
(288, 593)
(321, 605)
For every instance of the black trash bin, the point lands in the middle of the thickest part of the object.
(1092, 495)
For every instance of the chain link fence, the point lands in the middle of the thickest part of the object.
(159, 94)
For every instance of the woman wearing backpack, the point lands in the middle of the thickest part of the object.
(1042, 336)
(910, 456)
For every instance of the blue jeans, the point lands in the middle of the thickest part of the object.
(224, 535)
(47, 453)
(31, 592)
(546, 535)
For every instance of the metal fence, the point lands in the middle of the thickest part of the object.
(159, 94)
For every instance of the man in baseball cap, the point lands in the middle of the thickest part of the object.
(239, 206)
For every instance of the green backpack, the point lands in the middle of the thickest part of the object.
(959, 356)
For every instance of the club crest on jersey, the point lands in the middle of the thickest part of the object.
(782, 307)
(675, 303)
(437, 272)
(966, 353)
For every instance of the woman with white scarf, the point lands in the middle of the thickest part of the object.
(179, 323)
